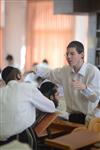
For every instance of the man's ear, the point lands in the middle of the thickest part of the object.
(82, 55)
(18, 76)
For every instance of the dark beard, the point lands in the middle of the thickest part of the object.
(55, 102)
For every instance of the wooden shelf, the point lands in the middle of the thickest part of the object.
(98, 30)
(97, 57)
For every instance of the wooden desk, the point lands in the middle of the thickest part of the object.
(44, 123)
(55, 125)
(67, 126)
(74, 140)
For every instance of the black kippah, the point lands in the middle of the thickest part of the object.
(6, 71)
(47, 87)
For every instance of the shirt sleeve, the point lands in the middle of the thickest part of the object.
(92, 91)
(53, 75)
(41, 102)
(64, 115)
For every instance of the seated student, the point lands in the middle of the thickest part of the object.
(51, 91)
(18, 103)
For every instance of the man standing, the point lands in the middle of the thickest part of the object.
(80, 80)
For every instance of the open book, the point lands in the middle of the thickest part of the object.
(43, 122)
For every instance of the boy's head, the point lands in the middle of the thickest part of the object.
(50, 90)
(77, 45)
(75, 54)
(10, 73)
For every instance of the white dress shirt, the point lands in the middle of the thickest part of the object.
(84, 101)
(31, 77)
(17, 107)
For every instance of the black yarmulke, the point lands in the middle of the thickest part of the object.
(46, 87)
(6, 71)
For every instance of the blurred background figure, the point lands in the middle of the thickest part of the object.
(44, 66)
(30, 75)
(9, 60)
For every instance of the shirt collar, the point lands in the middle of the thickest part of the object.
(82, 70)
(12, 82)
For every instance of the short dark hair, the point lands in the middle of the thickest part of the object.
(48, 88)
(9, 57)
(9, 73)
(45, 61)
(76, 44)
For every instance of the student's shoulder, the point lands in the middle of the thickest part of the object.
(65, 67)
(92, 68)
(27, 85)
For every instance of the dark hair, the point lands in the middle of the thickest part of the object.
(10, 73)
(76, 44)
(45, 61)
(99, 103)
(9, 57)
(49, 89)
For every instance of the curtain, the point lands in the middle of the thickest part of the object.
(1, 34)
(47, 34)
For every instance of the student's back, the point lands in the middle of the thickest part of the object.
(18, 103)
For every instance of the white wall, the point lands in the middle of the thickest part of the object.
(15, 28)
(81, 31)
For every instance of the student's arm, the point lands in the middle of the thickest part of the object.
(92, 90)
(41, 102)
(53, 75)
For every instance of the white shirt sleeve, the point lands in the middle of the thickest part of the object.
(92, 92)
(41, 102)
(64, 115)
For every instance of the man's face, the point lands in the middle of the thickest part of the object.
(73, 57)
(55, 98)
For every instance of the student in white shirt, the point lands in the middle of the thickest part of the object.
(15, 145)
(80, 80)
(51, 91)
(18, 103)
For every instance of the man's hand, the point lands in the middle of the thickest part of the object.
(78, 85)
